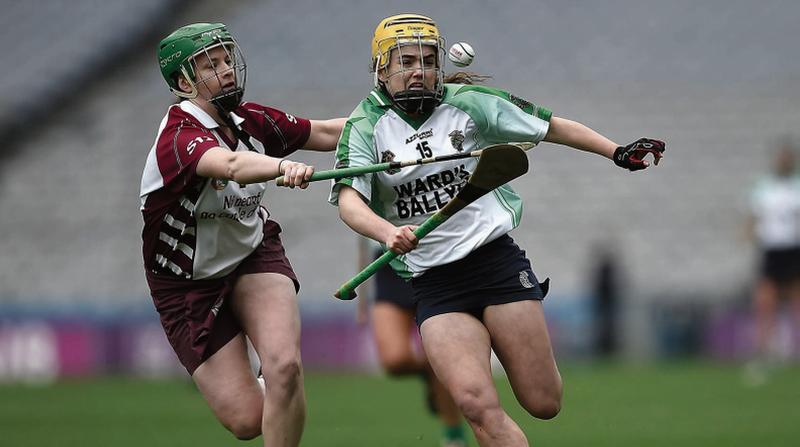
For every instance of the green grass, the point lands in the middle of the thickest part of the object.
(686, 404)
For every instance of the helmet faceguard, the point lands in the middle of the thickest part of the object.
(182, 51)
(229, 97)
(409, 31)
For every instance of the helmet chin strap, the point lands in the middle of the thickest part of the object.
(227, 101)
(416, 101)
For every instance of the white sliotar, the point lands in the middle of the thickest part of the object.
(461, 54)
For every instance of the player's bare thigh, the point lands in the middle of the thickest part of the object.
(228, 384)
(393, 327)
(266, 306)
(522, 344)
(458, 348)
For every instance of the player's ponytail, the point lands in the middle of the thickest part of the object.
(465, 77)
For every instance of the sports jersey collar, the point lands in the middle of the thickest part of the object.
(204, 118)
(379, 99)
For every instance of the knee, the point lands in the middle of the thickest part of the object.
(547, 408)
(285, 374)
(245, 426)
(479, 406)
(545, 404)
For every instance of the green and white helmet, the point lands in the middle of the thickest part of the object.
(178, 53)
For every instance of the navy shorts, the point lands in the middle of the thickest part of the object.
(781, 265)
(391, 288)
(495, 273)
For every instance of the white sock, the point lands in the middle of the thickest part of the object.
(263, 384)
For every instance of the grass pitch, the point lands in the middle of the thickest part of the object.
(685, 404)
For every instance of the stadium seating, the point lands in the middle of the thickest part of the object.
(68, 208)
(57, 48)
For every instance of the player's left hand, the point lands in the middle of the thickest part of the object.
(296, 174)
(631, 157)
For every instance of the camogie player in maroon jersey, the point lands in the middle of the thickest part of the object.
(214, 262)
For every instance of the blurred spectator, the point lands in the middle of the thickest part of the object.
(605, 281)
(774, 225)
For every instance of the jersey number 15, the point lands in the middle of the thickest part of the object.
(424, 150)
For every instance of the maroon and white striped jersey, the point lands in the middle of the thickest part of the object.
(202, 228)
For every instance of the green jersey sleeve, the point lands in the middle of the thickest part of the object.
(354, 149)
(499, 116)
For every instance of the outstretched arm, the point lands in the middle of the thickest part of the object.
(631, 157)
(325, 134)
(250, 167)
(574, 134)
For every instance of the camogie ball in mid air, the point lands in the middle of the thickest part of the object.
(461, 54)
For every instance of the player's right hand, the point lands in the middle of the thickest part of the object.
(296, 174)
(403, 240)
(631, 157)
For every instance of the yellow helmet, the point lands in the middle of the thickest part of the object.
(408, 29)
(399, 29)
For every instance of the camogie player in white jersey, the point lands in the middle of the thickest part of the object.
(213, 259)
(774, 225)
(473, 286)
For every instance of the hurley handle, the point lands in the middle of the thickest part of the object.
(342, 173)
(347, 290)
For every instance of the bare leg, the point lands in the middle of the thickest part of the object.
(445, 405)
(458, 348)
(521, 342)
(794, 303)
(231, 390)
(392, 328)
(266, 305)
(765, 307)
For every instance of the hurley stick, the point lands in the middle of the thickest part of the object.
(361, 170)
(497, 166)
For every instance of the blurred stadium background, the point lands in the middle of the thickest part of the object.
(718, 80)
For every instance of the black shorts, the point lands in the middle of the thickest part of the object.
(495, 273)
(781, 265)
(391, 288)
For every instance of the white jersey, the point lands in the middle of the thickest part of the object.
(775, 204)
(202, 228)
(469, 118)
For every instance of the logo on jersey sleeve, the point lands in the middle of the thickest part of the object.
(519, 102)
(387, 157)
(291, 118)
(457, 140)
(193, 144)
(219, 183)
